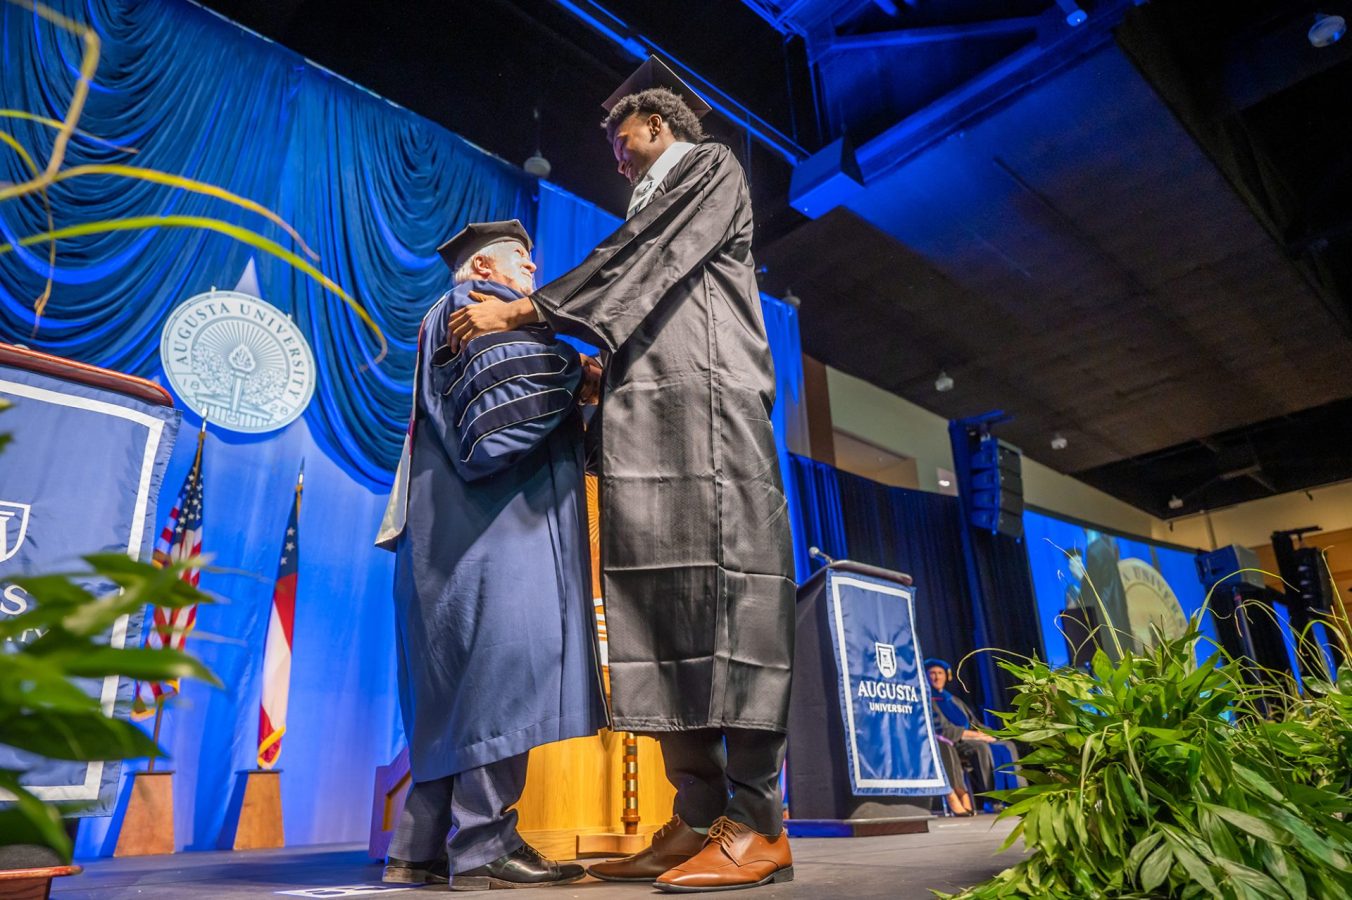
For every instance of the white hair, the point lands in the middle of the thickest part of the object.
(494, 251)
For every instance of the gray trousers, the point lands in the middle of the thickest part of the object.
(731, 772)
(475, 804)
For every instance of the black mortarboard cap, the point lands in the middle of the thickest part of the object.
(477, 235)
(655, 73)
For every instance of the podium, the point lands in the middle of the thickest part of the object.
(90, 448)
(863, 758)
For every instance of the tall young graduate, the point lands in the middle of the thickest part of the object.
(696, 557)
(492, 582)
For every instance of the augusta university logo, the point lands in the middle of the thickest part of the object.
(887, 659)
(13, 527)
(238, 361)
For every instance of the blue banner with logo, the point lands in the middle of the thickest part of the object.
(80, 476)
(890, 742)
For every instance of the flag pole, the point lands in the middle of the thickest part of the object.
(159, 700)
(266, 741)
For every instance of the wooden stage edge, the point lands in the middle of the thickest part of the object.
(827, 828)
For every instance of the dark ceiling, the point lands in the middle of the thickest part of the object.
(480, 68)
(1136, 233)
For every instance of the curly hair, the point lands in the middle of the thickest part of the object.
(660, 101)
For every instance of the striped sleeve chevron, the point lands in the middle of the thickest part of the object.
(504, 394)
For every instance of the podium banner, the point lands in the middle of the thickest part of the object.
(81, 476)
(884, 695)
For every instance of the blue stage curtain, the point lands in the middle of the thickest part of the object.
(372, 188)
(786, 349)
(915, 532)
(567, 229)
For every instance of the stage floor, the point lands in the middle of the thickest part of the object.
(955, 853)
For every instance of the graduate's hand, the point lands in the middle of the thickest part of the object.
(488, 315)
(590, 391)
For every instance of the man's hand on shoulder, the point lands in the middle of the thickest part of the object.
(487, 316)
(590, 390)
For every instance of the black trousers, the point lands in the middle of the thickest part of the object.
(726, 772)
(977, 754)
(948, 755)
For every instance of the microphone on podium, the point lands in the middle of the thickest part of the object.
(817, 554)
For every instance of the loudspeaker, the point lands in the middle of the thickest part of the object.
(1223, 566)
(1312, 580)
(997, 487)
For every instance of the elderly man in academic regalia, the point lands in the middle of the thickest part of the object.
(497, 648)
(696, 558)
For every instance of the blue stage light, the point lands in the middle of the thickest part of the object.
(1075, 16)
(1327, 30)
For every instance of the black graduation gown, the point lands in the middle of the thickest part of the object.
(695, 550)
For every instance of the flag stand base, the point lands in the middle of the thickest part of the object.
(254, 819)
(148, 824)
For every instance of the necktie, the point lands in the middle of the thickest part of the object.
(641, 195)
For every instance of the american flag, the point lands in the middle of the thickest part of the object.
(180, 540)
(277, 651)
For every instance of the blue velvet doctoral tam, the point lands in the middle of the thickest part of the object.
(497, 642)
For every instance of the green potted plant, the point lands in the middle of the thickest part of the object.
(44, 711)
(1158, 776)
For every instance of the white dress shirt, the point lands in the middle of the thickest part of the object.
(643, 191)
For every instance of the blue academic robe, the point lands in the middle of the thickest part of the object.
(497, 643)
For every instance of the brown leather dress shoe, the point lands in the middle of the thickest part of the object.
(734, 856)
(673, 844)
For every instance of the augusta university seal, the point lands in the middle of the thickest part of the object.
(238, 361)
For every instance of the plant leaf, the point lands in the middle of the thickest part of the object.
(141, 663)
(1251, 825)
(30, 821)
(1142, 849)
(1156, 866)
(58, 734)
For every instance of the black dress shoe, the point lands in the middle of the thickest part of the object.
(522, 868)
(403, 871)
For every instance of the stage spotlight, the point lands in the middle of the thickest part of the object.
(943, 383)
(1327, 30)
(1059, 442)
(1175, 502)
(537, 165)
(791, 298)
(1075, 16)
